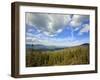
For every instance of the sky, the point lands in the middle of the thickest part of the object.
(63, 30)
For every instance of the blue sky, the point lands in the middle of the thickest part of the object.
(64, 30)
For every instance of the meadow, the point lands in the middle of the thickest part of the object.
(68, 56)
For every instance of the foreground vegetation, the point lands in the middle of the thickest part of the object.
(66, 56)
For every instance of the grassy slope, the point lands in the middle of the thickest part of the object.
(67, 56)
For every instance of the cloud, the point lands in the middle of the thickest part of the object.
(86, 28)
(77, 20)
(60, 30)
(49, 24)
(54, 42)
(34, 39)
(29, 34)
(46, 26)
(49, 41)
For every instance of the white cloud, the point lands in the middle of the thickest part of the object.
(49, 41)
(76, 28)
(48, 23)
(60, 30)
(52, 24)
(30, 30)
(86, 28)
(54, 42)
(29, 34)
(75, 20)
(48, 34)
(78, 19)
(34, 39)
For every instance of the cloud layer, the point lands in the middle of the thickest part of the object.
(51, 24)
(44, 28)
(77, 20)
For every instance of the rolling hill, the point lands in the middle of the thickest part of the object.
(75, 55)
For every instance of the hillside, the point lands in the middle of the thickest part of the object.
(67, 56)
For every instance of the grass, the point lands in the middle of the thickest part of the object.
(67, 56)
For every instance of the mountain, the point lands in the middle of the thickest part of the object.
(42, 47)
(45, 47)
(85, 44)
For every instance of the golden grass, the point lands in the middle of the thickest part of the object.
(68, 56)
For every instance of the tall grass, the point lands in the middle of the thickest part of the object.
(67, 56)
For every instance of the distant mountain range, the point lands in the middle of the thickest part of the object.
(85, 44)
(44, 47)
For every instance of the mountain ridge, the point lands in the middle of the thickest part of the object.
(44, 47)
